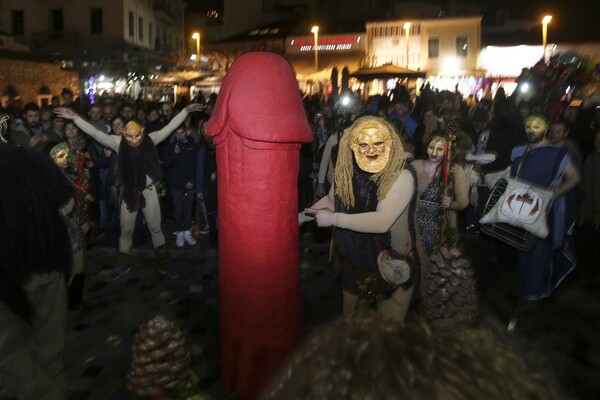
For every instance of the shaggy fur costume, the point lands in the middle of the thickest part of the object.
(134, 164)
(33, 235)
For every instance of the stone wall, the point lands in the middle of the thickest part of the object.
(28, 78)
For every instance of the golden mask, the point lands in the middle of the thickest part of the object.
(435, 149)
(133, 133)
(371, 146)
(536, 127)
(536, 124)
(60, 154)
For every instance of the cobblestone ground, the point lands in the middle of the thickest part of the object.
(562, 335)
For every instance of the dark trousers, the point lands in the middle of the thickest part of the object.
(183, 202)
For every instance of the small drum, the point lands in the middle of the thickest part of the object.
(516, 237)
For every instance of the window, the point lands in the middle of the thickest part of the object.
(462, 46)
(56, 20)
(131, 23)
(433, 46)
(141, 28)
(150, 34)
(157, 41)
(18, 22)
(96, 20)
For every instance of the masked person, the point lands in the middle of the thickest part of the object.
(75, 212)
(550, 260)
(432, 199)
(369, 204)
(139, 170)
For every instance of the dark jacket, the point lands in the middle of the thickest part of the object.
(181, 167)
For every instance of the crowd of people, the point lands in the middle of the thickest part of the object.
(397, 171)
(106, 171)
(71, 173)
(479, 140)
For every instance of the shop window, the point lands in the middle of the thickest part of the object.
(462, 46)
(433, 46)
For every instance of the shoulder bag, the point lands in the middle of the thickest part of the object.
(522, 206)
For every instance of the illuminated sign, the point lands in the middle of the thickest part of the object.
(321, 47)
(334, 43)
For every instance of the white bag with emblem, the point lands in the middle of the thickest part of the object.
(522, 205)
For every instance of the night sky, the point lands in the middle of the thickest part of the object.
(572, 19)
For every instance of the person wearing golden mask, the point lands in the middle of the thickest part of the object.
(139, 170)
(431, 196)
(369, 204)
(543, 267)
(75, 213)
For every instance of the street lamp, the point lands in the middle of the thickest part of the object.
(315, 31)
(545, 21)
(196, 36)
(406, 27)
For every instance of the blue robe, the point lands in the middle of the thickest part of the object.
(550, 260)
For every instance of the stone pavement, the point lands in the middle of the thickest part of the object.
(562, 335)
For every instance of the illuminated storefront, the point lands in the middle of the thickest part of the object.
(155, 87)
(447, 49)
(503, 64)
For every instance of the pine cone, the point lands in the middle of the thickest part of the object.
(450, 299)
(161, 359)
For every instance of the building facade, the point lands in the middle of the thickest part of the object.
(440, 46)
(29, 80)
(96, 37)
(446, 48)
(95, 26)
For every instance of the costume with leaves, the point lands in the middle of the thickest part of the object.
(447, 285)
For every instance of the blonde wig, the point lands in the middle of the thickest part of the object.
(344, 169)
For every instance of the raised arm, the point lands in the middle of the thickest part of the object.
(177, 120)
(110, 141)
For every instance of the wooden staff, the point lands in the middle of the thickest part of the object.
(447, 167)
(331, 242)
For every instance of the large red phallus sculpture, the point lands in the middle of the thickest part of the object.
(258, 124)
